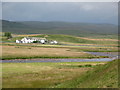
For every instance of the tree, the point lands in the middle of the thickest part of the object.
(35, 41)
(8, 35)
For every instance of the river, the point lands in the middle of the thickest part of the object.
(111, 57)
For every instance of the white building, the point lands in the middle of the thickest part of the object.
(28, 40)
(18, 41)
(31, 40)
(53, 42)
(42, 41)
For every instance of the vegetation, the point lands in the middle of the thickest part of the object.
(102, 76)
(60, 75)
(77, 29)
(23, 52)
(75, 47)
(8, 35)
(75, 40)
(35, 41)
(68, 39)
(42, 75)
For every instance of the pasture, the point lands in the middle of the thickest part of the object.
(43, 75)
(28, 52)
(68, 47)
(59, 75)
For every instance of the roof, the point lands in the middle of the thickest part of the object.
(34, 38)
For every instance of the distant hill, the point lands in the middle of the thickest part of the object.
(34, 27)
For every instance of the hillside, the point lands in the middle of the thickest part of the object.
(65, 39)
(69, 28)
(103, 76)
(73, 39)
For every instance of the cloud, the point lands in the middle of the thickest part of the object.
(93, 12)
(60, 0)
(87, 7)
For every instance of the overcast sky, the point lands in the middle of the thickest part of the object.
(90, 12)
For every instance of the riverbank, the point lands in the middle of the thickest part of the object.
(109, 56)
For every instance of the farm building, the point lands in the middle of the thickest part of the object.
(33, 40)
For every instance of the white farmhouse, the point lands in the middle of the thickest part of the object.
(54, 42)
(42, 41)
(32, 39)
(28, 40)
(18, 41)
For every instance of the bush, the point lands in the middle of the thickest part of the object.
(35, 41)
(8, 35)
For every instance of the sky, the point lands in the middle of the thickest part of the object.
(87, 12)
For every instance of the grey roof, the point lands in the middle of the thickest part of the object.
(34, 38)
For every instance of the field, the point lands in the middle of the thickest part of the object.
(60, 75)
(42, 75)
(29, 51)
(69, 39)
(75, 47)
(102, 76)
(17, 52)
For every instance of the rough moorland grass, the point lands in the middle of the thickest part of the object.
(92, 48)
(67, 39)
(42, 75)
(22, 52)
(96, 49)
(74, 39)
(102, 76)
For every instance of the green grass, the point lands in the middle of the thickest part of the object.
(74, 39)
(61, 39)
(102, 76)
(42, 75)
(109, 36)
(60, 75)
(50, 57)
(96, 49)
(66, 39)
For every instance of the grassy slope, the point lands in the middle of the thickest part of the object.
(59, 75)
(103, 76)
(74, 39)
(41, 75)
(67, 39)
(78, 29)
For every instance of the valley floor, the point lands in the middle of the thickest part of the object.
(62, 74)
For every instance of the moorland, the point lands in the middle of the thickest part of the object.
(75, 41)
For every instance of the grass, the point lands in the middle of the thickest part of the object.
(42, 75)
(74, 39)
(22, 52)
(102, 76)
(59, 75)
(96, 49)
(84, 47)
(67, 39)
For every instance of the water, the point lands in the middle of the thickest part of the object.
(102, 54)
(112, 57)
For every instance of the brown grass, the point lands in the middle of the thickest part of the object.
(38, 75)
(98, 39)
(22, 51)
